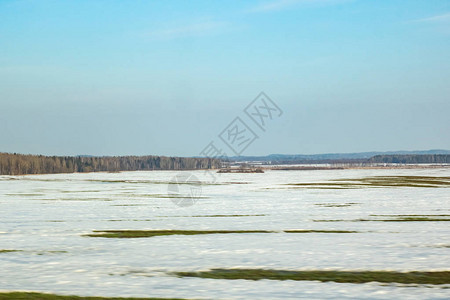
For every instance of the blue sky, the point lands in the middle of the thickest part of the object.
(166, 77)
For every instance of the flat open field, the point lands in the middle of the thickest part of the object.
(351, 233)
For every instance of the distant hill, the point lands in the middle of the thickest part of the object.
(329, 157)
(411, 159)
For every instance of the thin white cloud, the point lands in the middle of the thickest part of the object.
(285, 4)
(188, 30)
(438, 18)
(275, 5)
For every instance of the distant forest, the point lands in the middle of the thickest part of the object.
(388, 159)
(19, 164)
(411, 159)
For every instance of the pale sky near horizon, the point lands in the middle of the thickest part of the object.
(166, 77)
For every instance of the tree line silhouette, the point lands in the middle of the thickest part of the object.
(20, 164)
(411, 159)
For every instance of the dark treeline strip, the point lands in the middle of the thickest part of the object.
(411, 159)
(318, 161)
(388, 159)
(19, 164)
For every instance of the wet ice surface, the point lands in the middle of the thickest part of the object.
(46, 216)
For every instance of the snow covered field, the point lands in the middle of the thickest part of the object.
(46, 217)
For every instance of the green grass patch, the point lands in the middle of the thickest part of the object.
(130, 205)
(325, 276)
(152, 233)
(25, 194)
(318, 231)
(154, 182)
(224, 216)
(43, 296)
(164, 196)
(335, 204)
(51, 252)
(34, 252)
(398, 219)
(131, 220)
(401, 216)
(415, 219)
(9, 250)
(212, 216)
(81, 191)
(378, 181)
